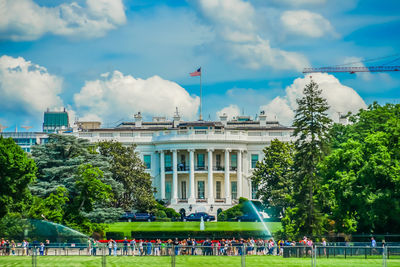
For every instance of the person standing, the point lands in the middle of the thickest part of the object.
(41, 249)
(12, 247)
(110, 246)
(125, 247)
(89, 247)
(176, 244)
(24, 247)
(47, 244)
(115, 246)
(133, 246)
(94, 248)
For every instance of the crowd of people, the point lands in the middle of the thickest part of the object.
(191, 246)
(9, 247)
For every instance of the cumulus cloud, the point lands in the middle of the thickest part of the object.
(239, 37)
(116, 96)
(27, 88)
(231, 111)
(304, 22)
(22, 20)
(340, 98)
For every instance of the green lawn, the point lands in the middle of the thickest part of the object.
(128, 227)
(192, 261)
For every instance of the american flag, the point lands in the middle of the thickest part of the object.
(196, 73)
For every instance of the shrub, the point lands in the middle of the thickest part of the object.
(160, 214)
(115, 235)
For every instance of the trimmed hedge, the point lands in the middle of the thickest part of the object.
(199, 234)
(115, 235)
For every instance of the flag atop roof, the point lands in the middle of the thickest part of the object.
(196, 73)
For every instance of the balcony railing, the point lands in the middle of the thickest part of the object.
(219, 200)
(200, 168)
(201, 200)
(218, 168)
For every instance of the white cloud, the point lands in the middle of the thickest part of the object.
(240, 38)
(340, 98)
(22, 20)
(302, 2)
(27, 88)
(231, 111)
(304, 22)
(116, 96)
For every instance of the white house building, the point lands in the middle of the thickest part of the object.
(197, 165)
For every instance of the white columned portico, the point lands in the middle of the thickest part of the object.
(227, 180)
(210, 196)
(239, 174)
(174, 199)
(192, 197)
(162, 173)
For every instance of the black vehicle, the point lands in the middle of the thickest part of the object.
(143, 217)
(127, 217)
(249, 218)
(196, 217)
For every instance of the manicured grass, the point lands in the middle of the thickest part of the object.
(192, 261)
(128, 227)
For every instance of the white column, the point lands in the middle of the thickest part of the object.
(162, 173)
(192, 197)
(227, 180)
(210, 196)
(174, 199)
(239, 174)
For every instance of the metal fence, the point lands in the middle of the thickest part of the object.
(241, 253)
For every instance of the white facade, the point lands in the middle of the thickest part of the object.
(198, 165)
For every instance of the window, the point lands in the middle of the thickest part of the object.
(234, 161)
(168, 163)
(200, 160)
(200, 189)
(254, 159)
(183, 189)
(218, 189)
(254, 190)
(234, 189)
(218, 161)
(147, 161)
(182, 163)
(106, 135)
(168, 190)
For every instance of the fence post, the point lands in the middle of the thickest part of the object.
(34, 257)
(103, 257)
(243, 256)
(173, 256)
(384, 256)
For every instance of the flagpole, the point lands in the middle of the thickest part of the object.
(201, 117)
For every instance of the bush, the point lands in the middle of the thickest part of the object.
(160, 214)
(199, 234)
(115, 235)
(160, 219)
(171, 213)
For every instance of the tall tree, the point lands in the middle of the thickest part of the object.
(361, 176)
(312, 126)
(128, 169)
(273, 176)
(17, 171)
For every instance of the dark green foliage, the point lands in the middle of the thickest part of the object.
(361, 176)
(312, 126)
(234, 212)
(115, 235)
(196, 234)
(128, 169)
(274, 177)
(12, 226)
(52, 207)
(17, 171)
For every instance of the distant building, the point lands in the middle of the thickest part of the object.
(86, 125)
(55, 121)
(26, 139)
(197, 165)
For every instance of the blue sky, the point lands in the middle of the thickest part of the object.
(106, 60)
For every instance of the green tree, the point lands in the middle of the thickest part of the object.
(274, 177)
(312, 126)
(17, 171)
(90, 188)
(361, 177)
(52, 207)
(128, 169)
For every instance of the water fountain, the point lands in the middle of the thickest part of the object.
(202, 226)
(253, 207)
